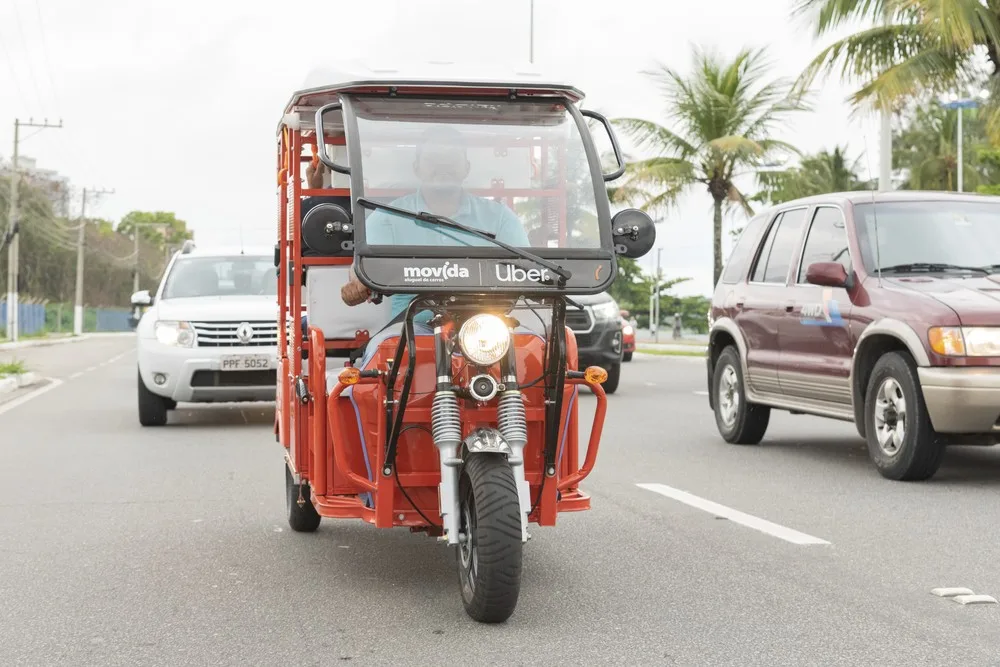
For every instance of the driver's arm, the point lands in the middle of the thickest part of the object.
(378, 231)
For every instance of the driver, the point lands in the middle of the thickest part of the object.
(441, 165)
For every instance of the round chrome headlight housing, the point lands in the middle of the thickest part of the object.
(484, 339)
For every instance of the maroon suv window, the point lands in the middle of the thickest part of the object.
(781, 242)
(827, 241)
(736, 266)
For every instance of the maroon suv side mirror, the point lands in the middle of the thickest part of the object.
(828, 274)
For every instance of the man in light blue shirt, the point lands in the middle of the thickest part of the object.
(442, 166)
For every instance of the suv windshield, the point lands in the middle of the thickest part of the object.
(240, 275)
(964, 234)
(515, 169)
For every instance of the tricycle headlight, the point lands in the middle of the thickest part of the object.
(965, 341)
(484, 339)
(179, 334)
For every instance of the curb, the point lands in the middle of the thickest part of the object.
(15, 382)
(45, 342)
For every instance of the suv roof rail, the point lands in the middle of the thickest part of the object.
(187, 247)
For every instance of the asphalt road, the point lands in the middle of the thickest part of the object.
(125, 546)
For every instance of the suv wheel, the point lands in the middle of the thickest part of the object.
(614, 375)
(152, 407)
(739, 421)
(901, 441)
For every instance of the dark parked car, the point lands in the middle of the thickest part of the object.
(878, 308)
(598, 330)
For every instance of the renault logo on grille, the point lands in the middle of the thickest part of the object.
(244, 332)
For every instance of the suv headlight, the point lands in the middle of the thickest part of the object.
(179, 334)
(603, 312)
(965, 341)
(484, 339)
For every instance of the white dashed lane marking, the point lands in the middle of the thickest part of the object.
(55, 382)
(748, 520)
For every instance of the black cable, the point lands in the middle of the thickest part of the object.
(396, 471)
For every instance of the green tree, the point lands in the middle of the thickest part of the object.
(725, 112)
(175, 230)
(908, 48)
(927, 147)
(820, 173)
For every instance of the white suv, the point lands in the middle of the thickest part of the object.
(210, 333)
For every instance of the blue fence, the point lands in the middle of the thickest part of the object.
(36, 318)
(30, 317)
(113, 320)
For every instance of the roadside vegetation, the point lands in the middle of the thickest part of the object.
(14, 367)
(722, 119)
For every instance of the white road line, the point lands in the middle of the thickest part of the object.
(748, 520)
(91, 369)
(700, 393)
(10, 405)
(75, 375)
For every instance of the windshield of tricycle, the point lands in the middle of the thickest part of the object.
(520, 170)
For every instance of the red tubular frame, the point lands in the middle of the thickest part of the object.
(321, 441)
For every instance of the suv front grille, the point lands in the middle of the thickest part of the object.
(578, 320)
(226, 334)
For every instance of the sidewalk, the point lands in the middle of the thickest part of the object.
(61, 339)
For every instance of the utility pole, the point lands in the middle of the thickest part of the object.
(81, 235)
(656, 300)
(13, 227)
(531, 32)
(135, 236)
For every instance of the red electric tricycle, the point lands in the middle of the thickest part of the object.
(469, 211)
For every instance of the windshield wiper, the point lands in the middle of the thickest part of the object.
(444, 221)
(930, 266)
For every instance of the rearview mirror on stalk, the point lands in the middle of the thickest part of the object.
(634, 233)
(142, 298)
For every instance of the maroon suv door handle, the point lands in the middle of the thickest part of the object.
(789, 306)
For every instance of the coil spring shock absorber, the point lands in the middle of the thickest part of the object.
(446, 422)
(511, 419)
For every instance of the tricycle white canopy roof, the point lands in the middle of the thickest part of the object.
(324, 83)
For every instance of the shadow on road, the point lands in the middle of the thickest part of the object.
(961, 464)
(221, 414)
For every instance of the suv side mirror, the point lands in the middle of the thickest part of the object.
(142, 298)
(828, 274)
(633, 232)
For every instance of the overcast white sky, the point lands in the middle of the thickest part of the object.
(174, 103)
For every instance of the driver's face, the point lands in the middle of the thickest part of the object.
(442, 165)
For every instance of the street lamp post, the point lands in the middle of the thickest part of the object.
(961, 104)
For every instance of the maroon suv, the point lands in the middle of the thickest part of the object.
(878, 308)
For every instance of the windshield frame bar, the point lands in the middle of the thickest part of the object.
(356, 164)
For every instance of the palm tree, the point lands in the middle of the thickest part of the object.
(724, 113)
(823, 172)
(908, 48)
(926, 148)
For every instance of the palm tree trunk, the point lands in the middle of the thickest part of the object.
(717, 241)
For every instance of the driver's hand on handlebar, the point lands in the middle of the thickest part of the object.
(354, 292)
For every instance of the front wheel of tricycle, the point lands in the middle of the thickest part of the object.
(489, 553)
(301, 518)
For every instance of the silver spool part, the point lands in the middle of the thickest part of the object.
(511, 419)
(446, 421)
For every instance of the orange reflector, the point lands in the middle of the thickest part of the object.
(595, 375)
(349, 376)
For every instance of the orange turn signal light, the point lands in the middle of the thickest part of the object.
(349, 376)
(595, 375)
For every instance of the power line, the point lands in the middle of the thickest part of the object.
(13, 74)
(45, 55)
(27, 55)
